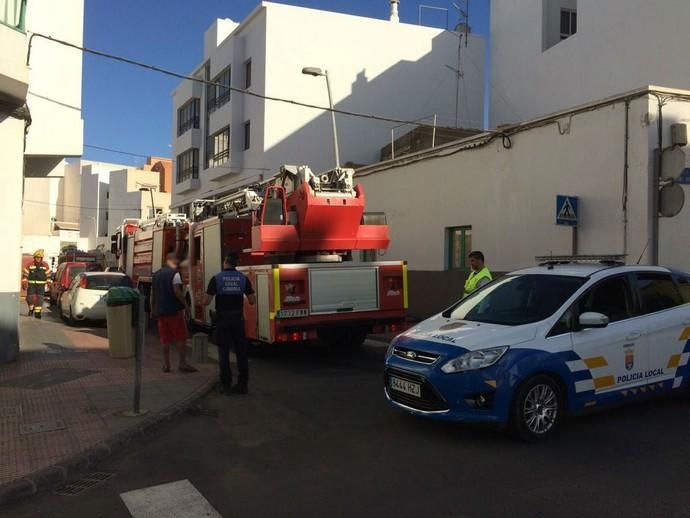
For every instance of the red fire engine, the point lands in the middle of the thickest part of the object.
(295, 235)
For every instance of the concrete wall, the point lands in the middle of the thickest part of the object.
(508, 197)
(375, 66)
(620, 45)
(11, 142)
(126, 201)
(55, 78)
(94, 201)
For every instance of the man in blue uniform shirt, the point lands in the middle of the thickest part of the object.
(229, 288)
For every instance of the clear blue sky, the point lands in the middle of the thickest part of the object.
(130, 109)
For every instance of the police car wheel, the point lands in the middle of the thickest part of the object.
(537, 408)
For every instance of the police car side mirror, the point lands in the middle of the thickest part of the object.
(592, 320)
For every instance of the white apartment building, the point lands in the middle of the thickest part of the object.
(40, 124)
(126, 199)
(548, 55)
(223, 138)
(498, 194)
(111, 193)
(52, 208)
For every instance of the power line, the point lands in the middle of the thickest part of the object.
(106, 209)
(139, 155)
(178, 75)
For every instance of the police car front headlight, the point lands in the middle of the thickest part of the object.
(474, 360)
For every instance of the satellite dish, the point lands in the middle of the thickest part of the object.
(672, 163)
(671, 200)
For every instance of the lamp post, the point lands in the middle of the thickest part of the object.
(153, 205)
(314, 71)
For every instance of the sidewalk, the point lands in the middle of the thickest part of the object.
(58, 402)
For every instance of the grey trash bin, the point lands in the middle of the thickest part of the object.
(121, 334)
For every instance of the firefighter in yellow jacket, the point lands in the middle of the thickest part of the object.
(35, 277)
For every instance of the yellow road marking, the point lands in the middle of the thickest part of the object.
(604, 381)
(685, 335)
(673, 362)
(596, 362)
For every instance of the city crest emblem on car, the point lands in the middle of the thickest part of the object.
(629, 358)
(411, 355)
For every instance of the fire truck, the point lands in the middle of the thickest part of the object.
(295, 235)
(72, 254)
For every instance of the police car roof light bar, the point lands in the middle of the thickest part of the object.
(612, 259)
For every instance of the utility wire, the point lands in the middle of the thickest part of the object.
(213, 83)
(139, 155)
(105, 209)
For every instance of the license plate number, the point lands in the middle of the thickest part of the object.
(292, 313)
(407, 387)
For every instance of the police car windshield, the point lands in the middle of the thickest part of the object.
(517, 299)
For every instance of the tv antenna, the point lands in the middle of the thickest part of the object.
(462, 31)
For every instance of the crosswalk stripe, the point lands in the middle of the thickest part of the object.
(179, 499)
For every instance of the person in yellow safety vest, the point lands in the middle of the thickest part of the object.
(35, 277)
(480, 274)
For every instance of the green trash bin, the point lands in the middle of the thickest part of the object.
(121, 304)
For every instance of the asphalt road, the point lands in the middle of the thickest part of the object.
(315, 438)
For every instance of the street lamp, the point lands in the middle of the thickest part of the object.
(316, 72)
(153, 205)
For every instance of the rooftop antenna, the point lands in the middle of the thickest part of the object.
(395, 17)
(461, 29)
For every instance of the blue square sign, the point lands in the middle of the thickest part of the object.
(566, 210)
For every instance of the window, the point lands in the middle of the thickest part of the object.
(219, 94)
(247, 73)
(188, 165)
(247, 134)
(657, 292)
(568, 23)
(188, 116)
(458, 245)
(517, 299)
(13, 14)
(683, 282)
(105, 282)
(611, 297)
(106, 215)
(218, 148)
(223, 92)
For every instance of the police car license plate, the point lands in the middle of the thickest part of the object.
(407, 387)
(292, 313)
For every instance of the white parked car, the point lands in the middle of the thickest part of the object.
(84, 300)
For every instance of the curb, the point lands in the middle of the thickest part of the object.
(61, 472)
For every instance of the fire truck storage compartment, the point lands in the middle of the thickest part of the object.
(212, 260)
(157, 258)
(263, 307)
(336, 290)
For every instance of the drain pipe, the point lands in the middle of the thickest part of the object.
(655, 173)
(626, 167)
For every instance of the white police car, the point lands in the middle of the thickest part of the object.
(543, 342)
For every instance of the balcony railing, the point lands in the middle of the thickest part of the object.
(13, 13)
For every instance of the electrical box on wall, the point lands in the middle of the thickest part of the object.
(679, 135)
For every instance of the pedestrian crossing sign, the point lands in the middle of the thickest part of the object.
(566, 210)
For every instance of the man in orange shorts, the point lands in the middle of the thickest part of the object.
(168, 306)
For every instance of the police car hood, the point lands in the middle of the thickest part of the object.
(468, 335)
